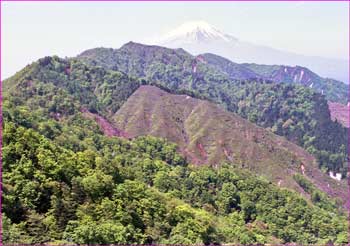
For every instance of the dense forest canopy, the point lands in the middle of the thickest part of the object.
(65, 182)
(103, 190)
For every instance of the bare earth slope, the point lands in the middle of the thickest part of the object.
(107, 128)
(207, 134)
(340, 113)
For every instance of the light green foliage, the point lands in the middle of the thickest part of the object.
(317, 197)
(146, 197)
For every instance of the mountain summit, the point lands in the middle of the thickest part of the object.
(196, 32)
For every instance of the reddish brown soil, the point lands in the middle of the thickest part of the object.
(207, 134)
(105, 126)
(202, 151)
(340, 113)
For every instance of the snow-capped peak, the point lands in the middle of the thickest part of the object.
(194, 32)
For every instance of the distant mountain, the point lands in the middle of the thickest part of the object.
(334, 90)
(207, 134)
(196, 32)
(200, 37)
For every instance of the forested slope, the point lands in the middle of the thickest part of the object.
(141, 191)
(294, 111)
(64, 181)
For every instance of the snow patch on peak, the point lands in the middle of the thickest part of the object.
(193, 25)
(195, 32)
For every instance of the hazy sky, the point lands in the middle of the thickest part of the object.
(31, 30)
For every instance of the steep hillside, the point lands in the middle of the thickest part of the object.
(149, 62)
(290, 110)
(233, 70)
(107, 128)
(206, 133)
(333, 90)
(340, 113)
(61, 86)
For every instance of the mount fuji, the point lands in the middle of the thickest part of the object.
(199, 37)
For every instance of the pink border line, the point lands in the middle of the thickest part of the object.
(1, 119)
(174, 0)
(1, 124)
(348, 160)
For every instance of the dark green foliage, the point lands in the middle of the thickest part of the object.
(58, 86)
(130, 204)
(317, 197)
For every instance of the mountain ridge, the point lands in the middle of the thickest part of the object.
(334, 90)
(240, 51)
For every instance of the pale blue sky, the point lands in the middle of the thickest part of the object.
(37, 29)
